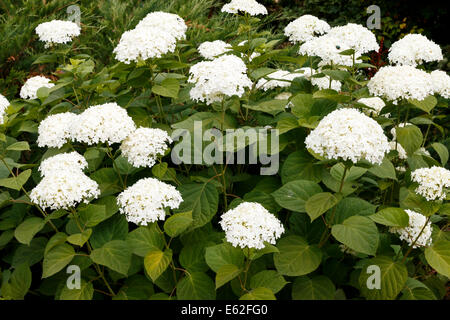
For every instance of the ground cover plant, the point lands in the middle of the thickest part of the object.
(222, 159)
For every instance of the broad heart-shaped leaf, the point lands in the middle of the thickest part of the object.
(18, 146)
(299, 165)
(271, 106)
(442, 151)
(200, 198)
(144, 239)
(385, 170)
(16, 182)
(296, 256)
(226, 273)
(426, 104)
(115, 255)
(293, 195)
(192, 257)
(80, 239)
(178, 223)
(156, 262)
(270, 279)
(438, 256)
(223, 254)
(92, 215)
(392, 217)
(319, 203)
(260, 293)
(196, 286)
(18, 284)
(28, 229)
(86, 292)
(416, 290)
(114, 228)
(315, 288)
(337, 171)
(358, 233)
(352, 206)
(393, 276)
(410, 137)
(57, 258)
(168, 88)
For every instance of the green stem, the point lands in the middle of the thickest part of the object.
(415, 240)
(110, 155)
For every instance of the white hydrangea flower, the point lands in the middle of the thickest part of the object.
(168, 22)
(348, 134)
(305, 28)
(423, 152)
(223, 76)
(69, 161)
(144, 43)
(432, 182)
(375, 103)
(414, 49)
(4, 104)
(55, 130)
(356, 37)
(411, 232)
(324, 83)
(250, 225)
(441, 83)
(107, 122)
(400, 125)
(64, 189)
(401, 82)
(279, 78)
(401, 152)
(211, 49)
(142, 147)
(57, 32)
(31, 86)
(146, 200)
(251, 7)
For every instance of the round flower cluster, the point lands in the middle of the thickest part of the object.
(223, 76)
(279, 78)
(57, 31)
(144, 145)
(348, 134)
(55, 130)
(31, 86)
(413, 49)
(250, 225)
(108, 123)
(401, 82)
(251, 7)
(432, 182)
(167, 22)
(412, 231)
(64, 184)
(441, 83)
(356, 37)
(146, 200)
(375, 103)
(211, 49)
(305, 28)
(328, 48)
(4, 103)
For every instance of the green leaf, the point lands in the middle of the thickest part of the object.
(259, 294)
(192, 257)
(438, 256)
(392, 217)
(196, 286)
(442, 151)
(19, 283)
(55, 240)
(352, 206)
(426, 104)
(315, 288)
(339, 75)
(16, 182)
(385, 170)
(80, 239)
(337, 171)
(19, 146)
(145, 239)
(410, 137)
(358, 233)
(299, 165)
(319, 203)
(223, 254)
(293, 195)
(296, 256)
(168, 88)
(56, 259)
(115, 255)
(92, 215)
(392, 278)
(268, 279)
(416, 290)
(178, 223)
(25, 232)
(156, 262)
(226, 273)
(420, 204)
(115, 228)
(271, 106)
(86, 292)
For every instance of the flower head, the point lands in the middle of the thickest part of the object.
(414, 49)
(279, 78)
(57, 32)
(305, 28)
(55, 130)
(375, 103)
(251, 7)
(4, 103)
(70, 161)
(211, 49)
(31, 86)
(167, 22)
(146, 200)
(441, 83)
(356, 37)
(347, 134)
(412, 231)
(432, 182)
(250, 225)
